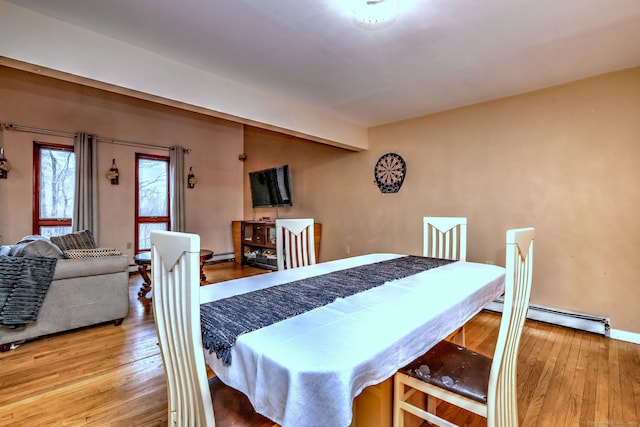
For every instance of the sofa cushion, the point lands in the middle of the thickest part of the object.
(40, 247)
(82, 267)
(78, 240)
(91, 253)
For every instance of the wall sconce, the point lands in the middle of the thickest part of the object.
(5, 166)
(191, 178)
(113, 173)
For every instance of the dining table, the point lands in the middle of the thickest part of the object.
(306, 369)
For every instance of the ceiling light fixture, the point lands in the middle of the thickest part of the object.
(374, 14)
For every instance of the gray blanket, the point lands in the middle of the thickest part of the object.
(24, 282)
(224, 320)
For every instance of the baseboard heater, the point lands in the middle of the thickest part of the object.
(570, 319)
(227, 256)
(230, 256)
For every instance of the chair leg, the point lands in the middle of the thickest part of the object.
(402, 395)
(461, 340)
(457, 337)
(398, 391)
(432, 403)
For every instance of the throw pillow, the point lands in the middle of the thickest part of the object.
(78, 240)
(43, 248)
(91, 253)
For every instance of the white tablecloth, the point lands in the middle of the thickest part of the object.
(305, 371)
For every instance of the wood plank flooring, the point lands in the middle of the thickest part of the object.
(113, 376)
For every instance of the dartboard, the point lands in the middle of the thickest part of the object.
(389, 172)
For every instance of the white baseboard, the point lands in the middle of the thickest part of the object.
(631, 337)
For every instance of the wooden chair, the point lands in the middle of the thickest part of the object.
(445, 237)
(295, 243)
(457, 375)
(175, 259)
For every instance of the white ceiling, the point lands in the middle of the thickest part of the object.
(437, 55)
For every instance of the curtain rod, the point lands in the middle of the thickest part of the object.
(11, 126)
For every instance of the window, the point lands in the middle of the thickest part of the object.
(54, 188)
(152, 198)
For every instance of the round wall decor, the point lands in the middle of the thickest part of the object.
(389, 172)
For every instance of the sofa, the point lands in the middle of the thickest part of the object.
(89, 286)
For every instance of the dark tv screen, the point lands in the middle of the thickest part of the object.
(270, 187)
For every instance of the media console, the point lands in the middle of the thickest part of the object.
(254, 243)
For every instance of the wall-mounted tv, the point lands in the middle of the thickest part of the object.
(270, 187)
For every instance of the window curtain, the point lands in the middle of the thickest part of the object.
(85, 205)
(176, 187)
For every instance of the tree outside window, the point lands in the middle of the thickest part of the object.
(152, 198)
(54, 188)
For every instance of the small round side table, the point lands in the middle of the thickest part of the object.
(143, 261)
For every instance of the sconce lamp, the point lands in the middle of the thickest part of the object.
(113, 173)
(191, 179)
(5, 166)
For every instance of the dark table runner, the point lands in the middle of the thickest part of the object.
(224, 320)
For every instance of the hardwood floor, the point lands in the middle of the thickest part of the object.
(108, 375)
(565, 377)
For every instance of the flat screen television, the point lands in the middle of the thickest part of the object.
(270, 187)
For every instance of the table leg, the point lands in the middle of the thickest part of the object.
(146, 286)
(203, 278)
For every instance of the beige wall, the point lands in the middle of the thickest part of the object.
(565, 160)
(41, 102)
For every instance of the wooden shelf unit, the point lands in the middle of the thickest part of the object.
(259, 239)
(259, 244)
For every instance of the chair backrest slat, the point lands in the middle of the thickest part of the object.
(295, 243)
(445, 237)
(175, 264)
